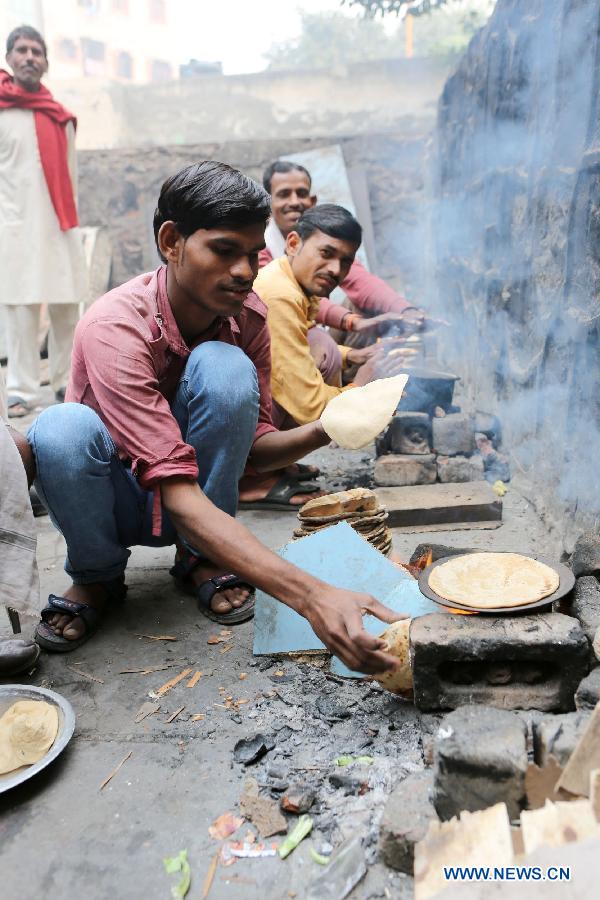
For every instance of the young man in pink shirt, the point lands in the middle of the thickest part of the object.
(169, 397)
(372, 302)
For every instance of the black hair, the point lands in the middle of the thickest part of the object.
(280, 167)
(331, 219)
(210, 194)
(25, 31)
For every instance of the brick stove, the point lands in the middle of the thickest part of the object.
(430, 439)
(519, 661)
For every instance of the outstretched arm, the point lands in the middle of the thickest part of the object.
(335, 615)
(281, 448)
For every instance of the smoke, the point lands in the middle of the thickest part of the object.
(515, 250)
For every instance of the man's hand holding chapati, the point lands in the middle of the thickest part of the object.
(336, 617)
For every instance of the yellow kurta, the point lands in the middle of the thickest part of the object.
(39, 262)
(296, 383)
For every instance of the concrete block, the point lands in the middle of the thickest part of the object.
(410, 432)
(510, 662)
(458, 505)
(586, 607)
(406, 817)
(557, 736)
(454, 469)
(398, 470)
(453, 434)
(480, 758)
(585, 559)
(587, 694)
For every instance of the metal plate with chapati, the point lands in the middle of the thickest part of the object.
(566, 584)
(12, 693)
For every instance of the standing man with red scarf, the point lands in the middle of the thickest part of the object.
(41, 250)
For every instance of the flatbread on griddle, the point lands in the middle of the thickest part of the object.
(493, 580)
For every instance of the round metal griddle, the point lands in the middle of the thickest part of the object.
(11, 693)
(567, 582)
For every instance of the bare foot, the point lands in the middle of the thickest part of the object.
(223, 601)
(73, 627)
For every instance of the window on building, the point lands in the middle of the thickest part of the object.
(94, 56)
(92, 6)
(160, 70)
(123, 64)
(120, 6)
(158, 11)
(66, 50)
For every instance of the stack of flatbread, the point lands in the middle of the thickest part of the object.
(490, 581)
(359, 507)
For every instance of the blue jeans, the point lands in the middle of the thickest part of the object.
(95, 501)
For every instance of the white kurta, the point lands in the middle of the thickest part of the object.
(39, 262)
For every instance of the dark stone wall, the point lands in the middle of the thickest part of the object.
(515, 253)
(118, 188)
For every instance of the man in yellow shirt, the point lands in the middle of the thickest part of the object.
(318, 255)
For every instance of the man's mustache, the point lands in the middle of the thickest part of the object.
(239, 286)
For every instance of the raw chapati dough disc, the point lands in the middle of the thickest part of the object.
(355, 417)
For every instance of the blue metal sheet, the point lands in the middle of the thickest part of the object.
(339, 556)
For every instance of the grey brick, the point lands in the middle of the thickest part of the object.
(399, 470)
(453, 434)
(510, 662)
(406, 817)
(480, 758)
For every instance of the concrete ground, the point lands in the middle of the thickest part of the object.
(61, 835)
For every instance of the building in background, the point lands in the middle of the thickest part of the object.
(129, 41)
(18, 12)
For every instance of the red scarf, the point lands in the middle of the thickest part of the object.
(51, 119)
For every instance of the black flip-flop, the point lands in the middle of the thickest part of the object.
(185, 564)
(207, 590)
(56, 643)
(280, 495)
(304, 471)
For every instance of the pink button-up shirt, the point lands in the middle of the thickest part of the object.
(128, 358)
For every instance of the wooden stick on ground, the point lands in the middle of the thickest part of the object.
(115, 770)
(158, 637)
(174, 715)
(149, 670)
(171, 684)
(85, 674)
(209, 876)
(194, 679)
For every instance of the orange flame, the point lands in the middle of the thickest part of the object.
(417, 567)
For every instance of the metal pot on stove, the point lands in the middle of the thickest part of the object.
(426, 389)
